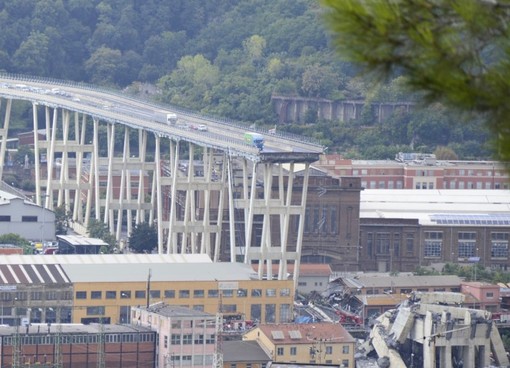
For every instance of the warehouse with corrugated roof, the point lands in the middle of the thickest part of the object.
(402, 230)
(102, 288)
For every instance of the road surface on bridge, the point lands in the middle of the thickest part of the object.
(119, 108)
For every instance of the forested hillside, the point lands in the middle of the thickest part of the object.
(226, 58)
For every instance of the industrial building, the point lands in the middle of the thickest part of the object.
(102, 288)
(401, 230)
(25, 218)
(419, 171)
(77, 346)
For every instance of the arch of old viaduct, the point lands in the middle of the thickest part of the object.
(294, 108)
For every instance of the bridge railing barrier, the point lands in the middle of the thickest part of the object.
(181, 110)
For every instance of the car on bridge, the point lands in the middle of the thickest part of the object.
(202, 128)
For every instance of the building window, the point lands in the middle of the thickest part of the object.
(198, 307)
(5, 218)
(466, 244)
(187, 339)
(199, 339)
(52, 295)
(256, 293)
(370, 244)
(93, 311)
(96, 295)
(227, 293)
(165, 341)
(279, 351)
(242, 293)
(229, 308)
(183, 293)
(176, 339)
(499, 245)
(345, 363)
(270, 313)
(111, 295)
(293, 350)
(28, 218)
(489, 295)
(285, 292)
(256, 311)
(334, 224)
(410, 243)
(345, 349)
(81, 295)
(213, 293)
(155, 294)
(198, 293)
(210, 339)
(170, 294)
(433, 244)
(383, 243)
(285, 315)
(140, 294)
(270, 292)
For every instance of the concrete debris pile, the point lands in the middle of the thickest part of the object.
(431, 330)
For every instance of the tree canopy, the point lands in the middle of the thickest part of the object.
(143, 238)
(452, 51)
(99, 230)
(228, 58)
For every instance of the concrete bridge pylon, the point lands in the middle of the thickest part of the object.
(226, 200)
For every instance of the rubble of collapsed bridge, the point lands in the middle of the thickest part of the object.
(433, 330)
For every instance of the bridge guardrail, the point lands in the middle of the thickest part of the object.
(181, 110)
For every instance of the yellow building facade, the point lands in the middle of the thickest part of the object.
(268, 301)
(311, 343)
(103, 288)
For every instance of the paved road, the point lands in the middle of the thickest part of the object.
(118, 108)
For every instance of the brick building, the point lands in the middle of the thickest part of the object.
(419, 171)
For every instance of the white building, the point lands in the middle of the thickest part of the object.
(25, 218)
(187, 337)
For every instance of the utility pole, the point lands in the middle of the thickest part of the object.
(16, 354)
(218, 353)
(148, 288)
(58, 347)
(100, 346)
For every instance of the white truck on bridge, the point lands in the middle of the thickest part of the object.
(171, 119)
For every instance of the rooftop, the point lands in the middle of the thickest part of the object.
(72, 328)
(96, 259)
(296, 333)
(384, 281)
(81, 240)
(431, 207)
(244, 351)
